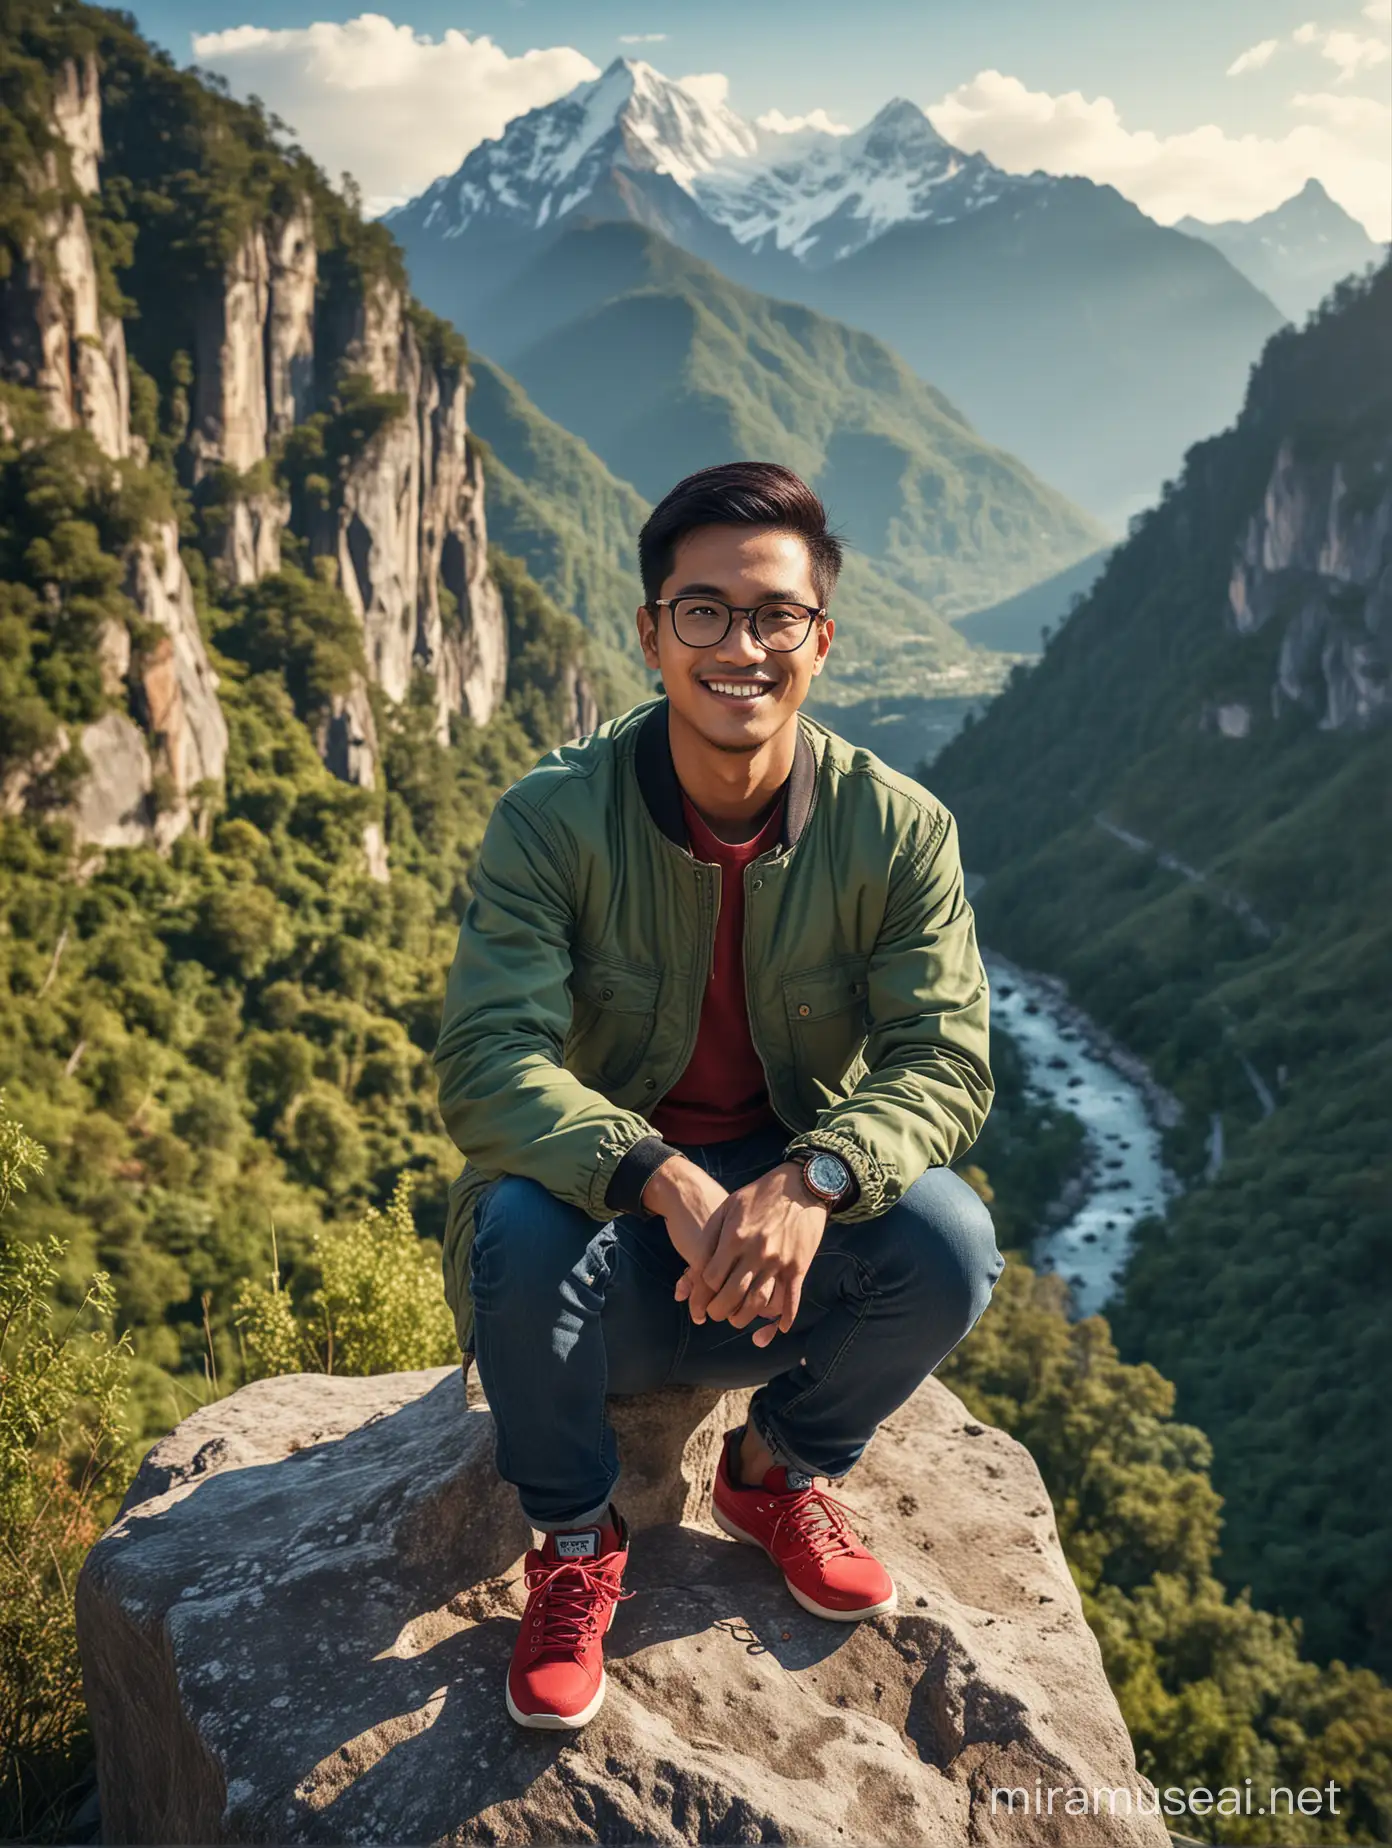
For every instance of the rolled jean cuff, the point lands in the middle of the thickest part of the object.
(592, 1517)
(778, 1449)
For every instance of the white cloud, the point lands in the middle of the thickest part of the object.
(1361, 114)
(709, 87)
(776, 123)
(1253, 58)
(1353, 53)
(642, 38)
(393, 107)
(1204, 171)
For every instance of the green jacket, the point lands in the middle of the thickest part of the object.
(584, 953)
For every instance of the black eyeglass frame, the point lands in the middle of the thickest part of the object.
(750, 612)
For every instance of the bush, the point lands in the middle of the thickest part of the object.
(378, 1307)
(64, 1454)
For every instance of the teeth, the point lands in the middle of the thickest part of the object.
(742, 689)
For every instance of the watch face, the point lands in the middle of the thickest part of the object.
(829, 1174)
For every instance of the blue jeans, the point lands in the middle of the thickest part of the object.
(567, 1312)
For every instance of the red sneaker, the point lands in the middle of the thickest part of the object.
(807, 1535)
(557, 1675)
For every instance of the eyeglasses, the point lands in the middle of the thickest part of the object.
(701, 622)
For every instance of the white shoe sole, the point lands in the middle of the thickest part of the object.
(559, 1722)
(727, 1526)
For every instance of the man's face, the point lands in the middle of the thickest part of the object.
(743, 566)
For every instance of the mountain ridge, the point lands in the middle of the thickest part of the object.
(811, 215)
(1294, 253)
(662, 365)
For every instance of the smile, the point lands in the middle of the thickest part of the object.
(741, 690)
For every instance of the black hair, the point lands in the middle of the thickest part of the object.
(738, 494)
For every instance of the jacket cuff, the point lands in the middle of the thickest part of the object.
(624, 1193)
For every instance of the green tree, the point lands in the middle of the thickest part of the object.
(63, 1459)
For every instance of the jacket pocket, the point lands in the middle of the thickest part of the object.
(828, 1019)
(613, 1013)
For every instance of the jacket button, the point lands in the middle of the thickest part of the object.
(803, 1008)
(606, 994)
(756, 885)
(650, 1084)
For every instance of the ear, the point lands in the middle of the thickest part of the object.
(647, 636)
(825, 630)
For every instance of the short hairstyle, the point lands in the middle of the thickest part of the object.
(738, 494)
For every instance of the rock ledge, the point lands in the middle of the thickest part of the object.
(298, 1627)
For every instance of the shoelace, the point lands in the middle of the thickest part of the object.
(574, 1597)
(820, 1523)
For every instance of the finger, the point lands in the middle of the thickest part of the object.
(756, 1303)
(699, 1292)
(730, 1248)
(776, 1304)
(698, 1296)
(684, 1283)
(722, 1259)
(793, 1286)
(732, 1293)
(772, 1323)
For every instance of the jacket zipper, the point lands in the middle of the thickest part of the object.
(715, 921)
(753, 1034)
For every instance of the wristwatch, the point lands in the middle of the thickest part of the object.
(827, 1176)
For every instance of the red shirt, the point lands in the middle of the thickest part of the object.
(723, 1092)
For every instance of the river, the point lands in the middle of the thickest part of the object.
(1078, 1066)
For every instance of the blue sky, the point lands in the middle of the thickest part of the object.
(1141, 93)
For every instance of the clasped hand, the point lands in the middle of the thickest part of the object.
(748, 1252)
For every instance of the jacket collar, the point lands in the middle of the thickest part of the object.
(657, 778)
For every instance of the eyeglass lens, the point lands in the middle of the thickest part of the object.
(702, 621)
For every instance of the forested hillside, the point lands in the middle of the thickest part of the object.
(1184, 810)
(259, 687)
(555, 505)
(662, 365)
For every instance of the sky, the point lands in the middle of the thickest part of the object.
(1219, 108)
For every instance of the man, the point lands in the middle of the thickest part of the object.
(716, 1027)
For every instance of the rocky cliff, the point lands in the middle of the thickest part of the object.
(406, 526)
(145, 762)
(55, 334)
(403, 520)
(1316, 559)
(298, 1630)
(396, 517)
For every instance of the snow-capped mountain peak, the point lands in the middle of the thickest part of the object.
(677, 130)
(822, 195)
(550, 160)
(809, 188)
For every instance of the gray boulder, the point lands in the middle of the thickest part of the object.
(298, 1628)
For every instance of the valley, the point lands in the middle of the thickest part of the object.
(316, 533)
(1219, 700)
